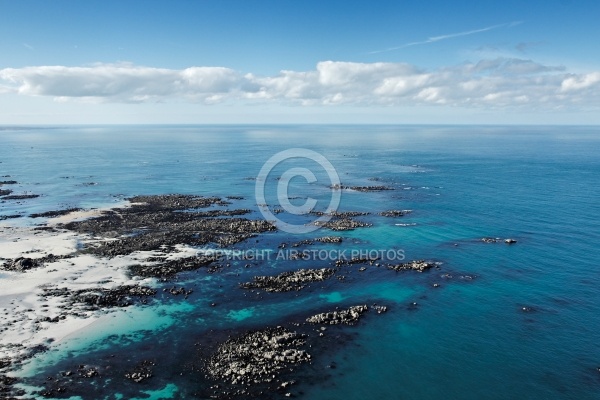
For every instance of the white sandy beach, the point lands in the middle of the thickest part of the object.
(21, 305)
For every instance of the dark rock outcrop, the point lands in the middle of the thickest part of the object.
(348, 317)
(288, 281)
(20, 197)
(162, 268)
(342, 224)
(416, 265)
(142, 372)
(377, 188)
(394, 213)
(160, 222)
(23, 264)
(257, 357)
(57, 213)
(101, 298)
(4, 217)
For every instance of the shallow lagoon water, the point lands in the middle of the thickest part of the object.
(467, 339)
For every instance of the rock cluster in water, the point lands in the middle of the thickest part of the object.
(341, 220)
(416, 265)
(308, 242)
(143, 371)
(4, 217)
(98, 298)
(498, 240)
(348, 317)
(341, 214)
(394, 213)
(160, 267)
(288, 281)
(161, 222)
(377, 188)
(20, 196)
(257, 357)
(342, 224)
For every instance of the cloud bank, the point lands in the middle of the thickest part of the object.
(489, 84)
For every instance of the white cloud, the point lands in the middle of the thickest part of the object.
(579, 82)
(486, 84)
(123, 82)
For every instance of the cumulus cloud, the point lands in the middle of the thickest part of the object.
(488, 83)
(123, 82)
(580, 82)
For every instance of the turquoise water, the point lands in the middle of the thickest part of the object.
(468, 339)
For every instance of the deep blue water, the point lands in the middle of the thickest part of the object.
(468, 339)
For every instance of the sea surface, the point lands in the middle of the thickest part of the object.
(517, 321)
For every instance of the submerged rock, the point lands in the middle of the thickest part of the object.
(20, 197)
(498, 240)
(3, 217)
(395, 213)
(6, 386)
(143, 371)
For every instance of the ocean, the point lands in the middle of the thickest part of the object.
(492, 320)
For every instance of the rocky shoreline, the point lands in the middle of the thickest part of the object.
(153, 239)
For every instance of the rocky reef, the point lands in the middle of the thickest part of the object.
(498, 240)
(100, 298)
(342, 224)
(416, 265)
(257, 357)
(394, 213)
(160, 267)
(161, 222)
(349, 316)
(375, 188)
(288, 281)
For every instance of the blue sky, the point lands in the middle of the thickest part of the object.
(282, 61)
